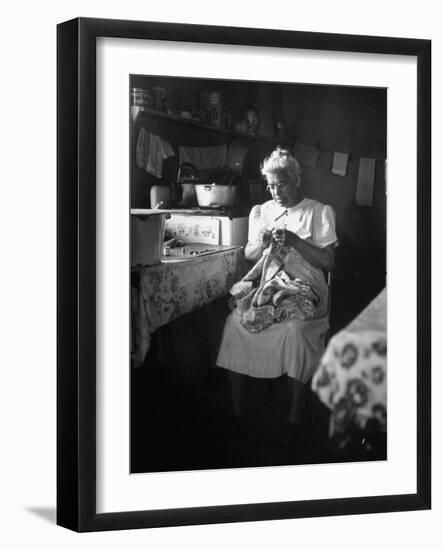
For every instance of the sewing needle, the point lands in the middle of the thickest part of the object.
(281, 215)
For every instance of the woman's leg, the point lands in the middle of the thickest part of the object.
(297, 408)
(236, 386)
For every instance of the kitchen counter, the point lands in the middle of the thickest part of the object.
(163, 292)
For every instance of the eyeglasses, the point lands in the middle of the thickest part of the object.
(272, 187)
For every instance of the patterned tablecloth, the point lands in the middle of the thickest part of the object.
(351, 379)
(169, 290)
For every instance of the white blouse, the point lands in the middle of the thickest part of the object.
(309, 219)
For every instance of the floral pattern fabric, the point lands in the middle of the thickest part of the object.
(352, 378)
(169, 290)
(269, 294)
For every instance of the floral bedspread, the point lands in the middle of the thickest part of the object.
(169, 290)
(351, 379)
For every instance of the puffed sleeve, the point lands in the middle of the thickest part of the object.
(324, 227)
(255, 224)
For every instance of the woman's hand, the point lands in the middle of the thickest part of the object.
(264, 238)
(324, 258)
(284, 237)
(279, 236)
(253, 250)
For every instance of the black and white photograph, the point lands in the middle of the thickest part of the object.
(258, 273)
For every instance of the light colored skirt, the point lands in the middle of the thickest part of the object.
(292, 347)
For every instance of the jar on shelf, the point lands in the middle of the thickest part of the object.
(212, 104)
(282, 131)
(160, 99)
(142, 98)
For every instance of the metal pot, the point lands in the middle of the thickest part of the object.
(188, 176)
(216, 195)
(160, 196)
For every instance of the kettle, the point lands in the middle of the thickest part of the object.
(188, 176)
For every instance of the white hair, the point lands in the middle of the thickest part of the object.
(281, 161)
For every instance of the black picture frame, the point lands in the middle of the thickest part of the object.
(76, 273)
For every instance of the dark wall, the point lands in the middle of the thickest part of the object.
(339, 118)
(348, 120)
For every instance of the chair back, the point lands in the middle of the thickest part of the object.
(329, 278)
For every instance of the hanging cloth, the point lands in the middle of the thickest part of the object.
(339, 164)
(204, 158)
(365, 183)
(306, 154)
(151, 151)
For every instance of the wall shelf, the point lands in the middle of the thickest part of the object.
(198, 125)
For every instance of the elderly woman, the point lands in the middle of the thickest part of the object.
(280, 308)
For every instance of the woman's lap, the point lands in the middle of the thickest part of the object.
(291, 347)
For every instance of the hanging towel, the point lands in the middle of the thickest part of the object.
(365, 183)
(205, 158)
(151, 151)
(339, 164)
(306, 154)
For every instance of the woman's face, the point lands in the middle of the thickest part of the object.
(284, 190)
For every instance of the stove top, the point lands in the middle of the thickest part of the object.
(236, 211)
(229, 211)
(191, 250)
